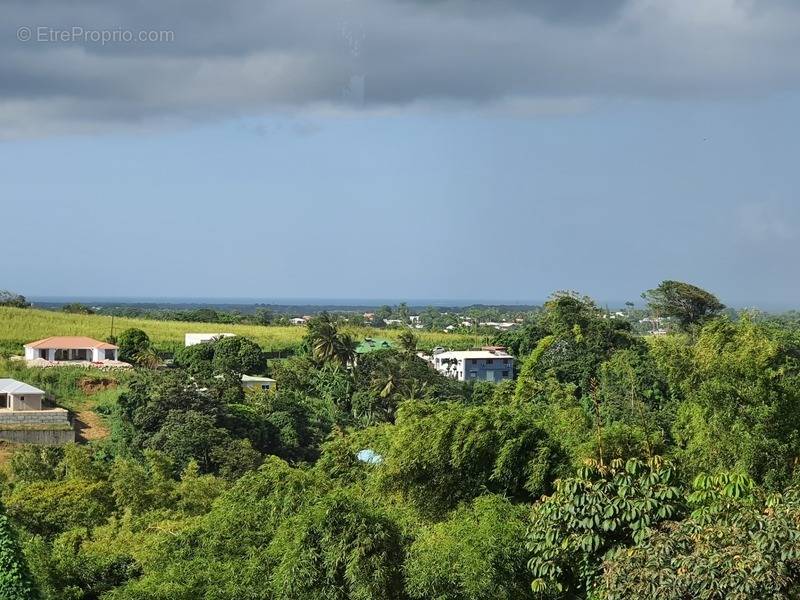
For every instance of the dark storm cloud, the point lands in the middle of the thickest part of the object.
(247, 57)
(560, 11)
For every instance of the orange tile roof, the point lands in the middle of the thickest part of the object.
(70, 343)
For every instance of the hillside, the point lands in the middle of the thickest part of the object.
(18, 326)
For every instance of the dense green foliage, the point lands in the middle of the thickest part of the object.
(478, 552)
(15, 580)
(593, 514)
(77, 308)
(132, 344)
(615, 466)
(13, 299)
(736, 544)
(442, 454)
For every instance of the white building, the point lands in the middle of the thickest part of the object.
(298, 321)
(258, 383)
(500, 326)
(475, 365)
(70, 349)
(16, 395)
(192, 339)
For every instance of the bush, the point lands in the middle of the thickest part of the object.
(131, 343)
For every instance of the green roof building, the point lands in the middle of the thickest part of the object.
(371, 344)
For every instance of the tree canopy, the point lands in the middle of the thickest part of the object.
(687, 303)
(618, 465)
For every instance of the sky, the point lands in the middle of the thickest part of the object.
(438, 149)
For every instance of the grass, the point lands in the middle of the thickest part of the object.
(21, 325)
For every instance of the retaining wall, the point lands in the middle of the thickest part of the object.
(45, 437)
(53, 416)
(48, 427)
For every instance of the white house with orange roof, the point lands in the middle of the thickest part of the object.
(70, 349)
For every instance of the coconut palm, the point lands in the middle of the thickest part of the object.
(324, 337)
(408, 342)
(148, 358)
(345, 349)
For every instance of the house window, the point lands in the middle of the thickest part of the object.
(505, 361)
(473, 374)
(505, 374)
(109, 355)
(265, 386)
(44, 353)
(489, 361)
(3, 400)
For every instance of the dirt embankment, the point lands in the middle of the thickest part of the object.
(92, 385)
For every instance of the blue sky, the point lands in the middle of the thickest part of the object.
(602, 191)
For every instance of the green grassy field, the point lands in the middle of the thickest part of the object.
(19, 326)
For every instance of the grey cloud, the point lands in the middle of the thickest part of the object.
(558, 11)
(248, 57)
(765, 223)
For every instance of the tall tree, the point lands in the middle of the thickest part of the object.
(323, 337)
(238, 355)
(345, 349)
(408, 341)
(687, 303)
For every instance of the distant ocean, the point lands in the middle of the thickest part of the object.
(230, 303)
(332, 302)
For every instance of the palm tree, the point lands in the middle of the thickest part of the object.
(408, 341)
(324, 338)
(148, 358)
(387, 386)
(346, 349)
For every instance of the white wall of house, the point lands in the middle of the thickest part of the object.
(99, 354)
(258, 383)
(26, 401)
(192, 339)
(475, 365)
(45, 353)
(94, 354)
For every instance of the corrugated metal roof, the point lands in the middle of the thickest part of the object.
(70, 343)
(12, 386)
(257, 378)
(369, 344)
